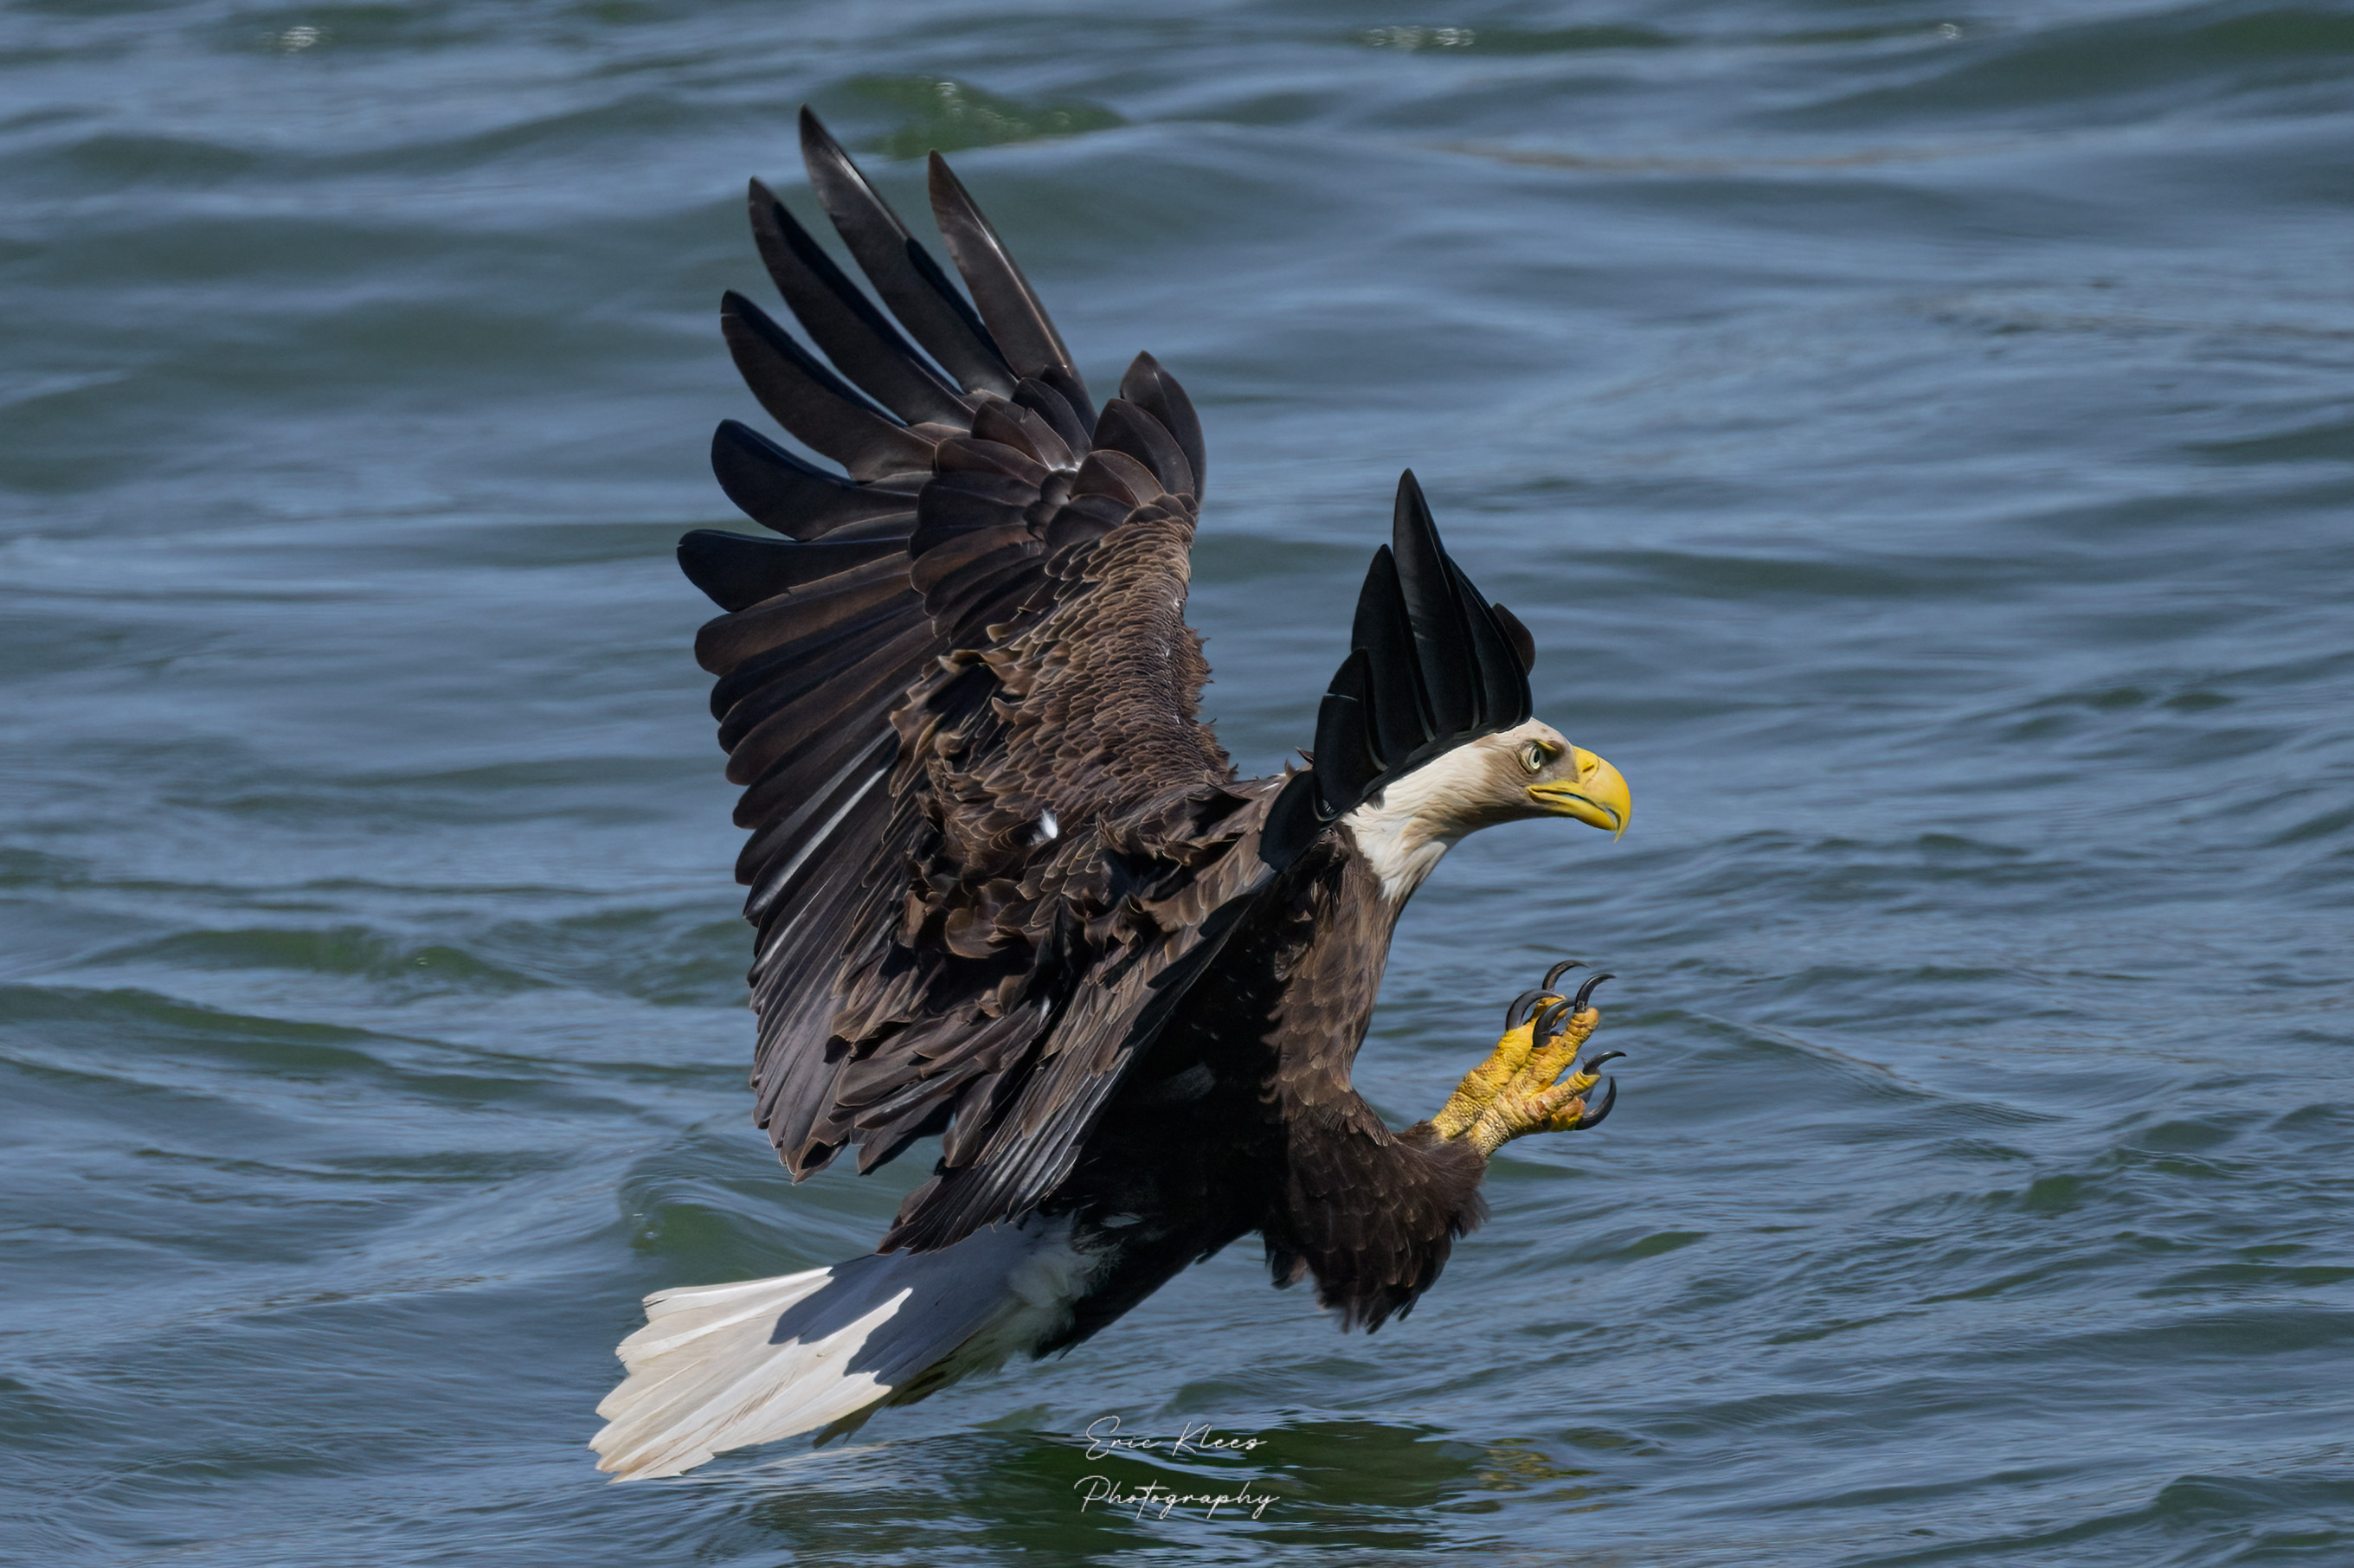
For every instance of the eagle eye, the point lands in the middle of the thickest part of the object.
(1533, 757)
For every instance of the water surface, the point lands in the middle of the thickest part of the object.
(1920, 437)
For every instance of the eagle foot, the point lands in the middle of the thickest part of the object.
(1519, 1089)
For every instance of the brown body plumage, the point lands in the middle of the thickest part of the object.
(1009, 890)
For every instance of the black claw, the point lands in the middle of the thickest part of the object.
(1592, 1064)
(1553, 975)
(1549, 1021)
(1518, 1014)
(1587, 990)
(1594, 1115)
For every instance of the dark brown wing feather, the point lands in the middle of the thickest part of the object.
(990, 840)
(1432, 664)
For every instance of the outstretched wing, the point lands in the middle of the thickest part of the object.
(1431, 665)
(990, 840)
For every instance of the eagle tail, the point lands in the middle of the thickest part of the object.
(723, 1366)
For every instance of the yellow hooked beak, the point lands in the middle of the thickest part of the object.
(1597, 795)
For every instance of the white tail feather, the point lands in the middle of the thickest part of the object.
(723, 1366)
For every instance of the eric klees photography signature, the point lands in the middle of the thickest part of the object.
(1195, 1438)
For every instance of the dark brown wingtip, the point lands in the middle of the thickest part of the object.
(821, 411)
(901, 271)
(1149, 386)
(1346, 766)
(1443, 636)
(1441, 667)
(817, 142)
(1125, 427)
(1018, 322)
(1523, 642)
(1292, 821)
(861, 343)
(780, 491)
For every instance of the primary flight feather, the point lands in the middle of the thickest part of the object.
(1009, 891)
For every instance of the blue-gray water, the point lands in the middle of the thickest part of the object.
(1921, 435)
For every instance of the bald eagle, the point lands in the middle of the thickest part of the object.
(1009, 890)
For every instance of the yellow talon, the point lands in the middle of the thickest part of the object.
(1532, 1102)
(1481, 1085)
(1514, 1092)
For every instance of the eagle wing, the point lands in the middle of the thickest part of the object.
(991, 842)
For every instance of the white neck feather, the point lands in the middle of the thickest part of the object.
(1416, 820)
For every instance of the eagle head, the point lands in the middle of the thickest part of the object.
(1513, 774)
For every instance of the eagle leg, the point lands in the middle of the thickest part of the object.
(1520, 1090)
